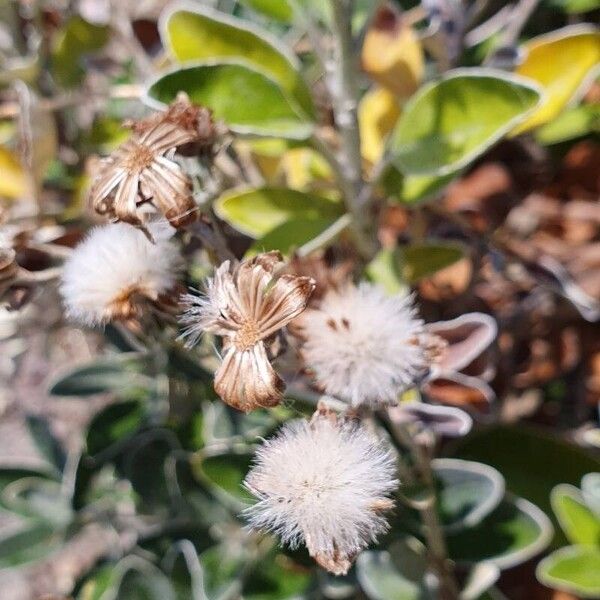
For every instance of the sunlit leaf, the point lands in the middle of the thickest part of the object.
(560, 62)
(514, 533)
(280, 10)
(248, 100)
(576, 6)
(378, 112)
(420, 188)
(206, 34)
(257, 211)
(580, 524)
(575, 569)
(590, 490)
(392, 54)
(570, 124)
(290, 235)
(13, 181)
(450, 122)
(77, 38)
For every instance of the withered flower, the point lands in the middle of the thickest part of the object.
(142, 171)
(247, 306)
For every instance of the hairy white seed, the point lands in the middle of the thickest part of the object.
(113, 263)
(323, 483)
(364, 346)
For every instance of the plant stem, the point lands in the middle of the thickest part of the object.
(345, 107)
(434, 536)
(432, 528)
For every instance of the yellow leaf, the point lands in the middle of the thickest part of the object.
(392, 54)
(13, 181)
(378, 112)
(560, 62)
(302, 167)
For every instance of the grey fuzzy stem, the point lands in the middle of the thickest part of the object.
(345, 105)
(437, 552)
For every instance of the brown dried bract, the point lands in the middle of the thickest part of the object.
(143, 171)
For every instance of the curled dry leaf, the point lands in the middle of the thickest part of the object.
(459, 374)
(445, 421)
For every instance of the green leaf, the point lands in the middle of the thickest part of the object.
(423, 260)
(76, 39)
(291, 235)
(248, 100)
(44, 440)
(575, 6)
(206, 34)
(107, 374)
(279, 10)
(570, 124)
(227, 472)
(257, 211)
(574, 569)
(385, 271)
(450, 122)
(532, 462)
(114, 423)
(580, 524)
(514, 533)
(421, 188)
(394, 575)
(469, 492)
(276, 578)
(33, 542)
(590, 490)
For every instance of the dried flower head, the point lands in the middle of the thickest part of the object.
(364, 346)
(142, 170)
(247, 306)
(323, 483)
(115, 268)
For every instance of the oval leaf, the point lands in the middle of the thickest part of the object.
(515, 532)
(580, 524)
(470, 492)
(575, 569)
(422, 260)
(257, 211)
(560, 62)
(449, 123)
(291, 235)
(248, 100)
(204, 33)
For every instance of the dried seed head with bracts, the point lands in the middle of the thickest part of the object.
(247, 306)
(116, 269)
(365, 347)
(142, 171)
(324, 483)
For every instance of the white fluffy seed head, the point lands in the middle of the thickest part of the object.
(114, 263)
(364, 346)
(324, 484)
